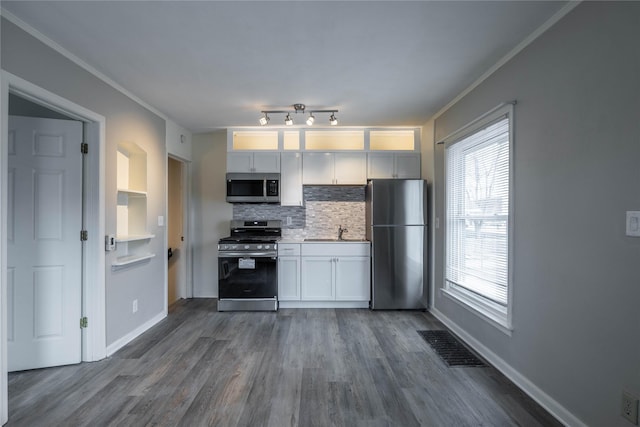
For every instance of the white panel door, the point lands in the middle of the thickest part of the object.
(44, 247)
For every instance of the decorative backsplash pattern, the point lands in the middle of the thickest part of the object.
(326, 208)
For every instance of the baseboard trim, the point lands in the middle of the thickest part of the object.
(542, 398)
(323, 304)
(118, 344)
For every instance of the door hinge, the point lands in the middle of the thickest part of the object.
(84, 235)
(84, 322)
(84, 148)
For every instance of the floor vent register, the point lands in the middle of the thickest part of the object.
(450, 350)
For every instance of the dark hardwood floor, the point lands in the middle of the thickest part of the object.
(292, 368)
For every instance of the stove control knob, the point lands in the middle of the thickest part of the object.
(247, 246)
(234, 246)
(267, 246)
(223, 247)
(260, 247)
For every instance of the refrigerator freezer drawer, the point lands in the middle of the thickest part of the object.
(397, 280)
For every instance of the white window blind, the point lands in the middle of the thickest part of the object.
(477, 216)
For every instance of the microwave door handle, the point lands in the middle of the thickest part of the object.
(264, 189)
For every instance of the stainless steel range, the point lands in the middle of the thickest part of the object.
(248, 266)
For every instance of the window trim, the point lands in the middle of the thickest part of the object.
(494, 314)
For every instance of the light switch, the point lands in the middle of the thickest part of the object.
(633, 223)
(160, 221)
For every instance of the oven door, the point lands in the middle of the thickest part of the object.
(247, 276)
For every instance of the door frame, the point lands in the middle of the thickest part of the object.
(93, 260)
(186, 227)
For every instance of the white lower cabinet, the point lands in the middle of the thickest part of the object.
(352, 276)
(324, 275)
(289, 278)
(289, 272)
(318, 282)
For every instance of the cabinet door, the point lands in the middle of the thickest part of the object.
(317, 278)
(240, 162)
(317, 168)
(289, 278)
(291, 179)
(350, 168)
(352, 278)
(407, 165)
(266, 162)
(380, 165)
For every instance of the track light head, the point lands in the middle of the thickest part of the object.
(288, 120)
(311, 119)
(333, 121)
(264, 120)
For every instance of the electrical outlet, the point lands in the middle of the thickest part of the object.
(135, 305)
(629, 407)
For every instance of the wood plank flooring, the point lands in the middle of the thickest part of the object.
(320, 367)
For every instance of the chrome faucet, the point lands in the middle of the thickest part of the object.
(341, 231)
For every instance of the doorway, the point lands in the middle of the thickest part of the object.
(93, 341)
(177, 230)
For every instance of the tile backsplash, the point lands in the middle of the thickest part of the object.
(325, 209)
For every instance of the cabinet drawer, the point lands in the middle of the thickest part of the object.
(288, 249)
(335, 249)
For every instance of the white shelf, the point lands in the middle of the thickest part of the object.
(132, 192)
(134, 237)
(131, 259)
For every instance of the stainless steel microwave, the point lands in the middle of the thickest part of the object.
(253, 187)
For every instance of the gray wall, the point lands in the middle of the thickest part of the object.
(211, 213)
(126, 120)
(576, 287)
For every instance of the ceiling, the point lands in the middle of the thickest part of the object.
(216, 64)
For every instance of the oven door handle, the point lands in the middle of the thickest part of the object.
(271, 255)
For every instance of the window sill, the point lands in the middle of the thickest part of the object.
(500, 320)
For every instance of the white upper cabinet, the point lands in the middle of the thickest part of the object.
(407, 165)
(246, 161)
(317, 168)
(334, 168)
(350, 168)
(393, 165)
(291, 179)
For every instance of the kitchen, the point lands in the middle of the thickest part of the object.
(574, 149)
(319, 207)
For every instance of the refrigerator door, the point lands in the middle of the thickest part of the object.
(396, 202)
(397, 267)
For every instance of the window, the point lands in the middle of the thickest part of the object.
(478, 175)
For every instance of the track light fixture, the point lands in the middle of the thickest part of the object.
(298, 108)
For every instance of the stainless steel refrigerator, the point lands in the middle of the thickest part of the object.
(396, 213)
